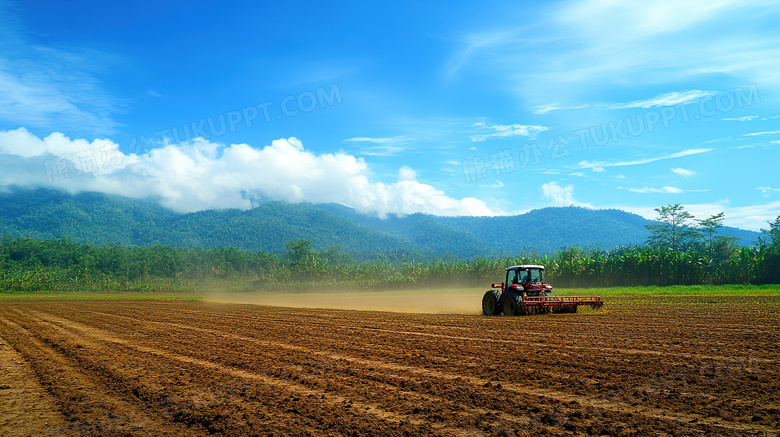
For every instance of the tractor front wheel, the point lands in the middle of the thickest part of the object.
(490, 306)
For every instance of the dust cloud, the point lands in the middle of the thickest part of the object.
(425, 301)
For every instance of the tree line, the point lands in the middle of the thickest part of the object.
(681, 250)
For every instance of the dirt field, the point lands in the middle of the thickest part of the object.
(684, 367)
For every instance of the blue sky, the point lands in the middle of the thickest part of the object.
(479, 108)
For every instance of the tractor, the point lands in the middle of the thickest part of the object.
(524, 292)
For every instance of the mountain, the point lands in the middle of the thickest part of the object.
(422, 230)
(542, 231)
(549, 229)
(99, 218)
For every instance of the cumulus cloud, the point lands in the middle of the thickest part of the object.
(407, 174)
(200, 174)
(561, 195)
(22, 143)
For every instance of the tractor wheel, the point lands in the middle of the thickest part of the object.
(490, 300)
(513, 305)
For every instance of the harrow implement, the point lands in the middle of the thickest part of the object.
(559, 304)
(559, 301)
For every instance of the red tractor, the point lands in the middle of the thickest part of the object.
(525, 292)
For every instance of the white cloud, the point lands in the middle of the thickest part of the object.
(561, 195)
(767, 190)
(498, 184)
(754, 217)
(647, 212)
(639, 20)
(506, 131)
(544, 109)
(754, 134)
(668, 190)
(632, 40)
(684, 172)
(578, 46)
(407, 174)
(199, 175)
(388, 140)
(52, 88)
(719, 139)
(668, 99)
(601, 164)
(743, 118)
(663, 190)
(384, 146)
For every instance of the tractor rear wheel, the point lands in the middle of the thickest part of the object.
(490, 300)
(513, 305)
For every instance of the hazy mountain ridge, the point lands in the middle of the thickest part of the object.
(98, 219)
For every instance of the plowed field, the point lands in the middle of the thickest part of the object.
(678, 367)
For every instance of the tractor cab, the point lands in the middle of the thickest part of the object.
(527, 280)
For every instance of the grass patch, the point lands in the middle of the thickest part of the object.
(675, 290)
(693, 294)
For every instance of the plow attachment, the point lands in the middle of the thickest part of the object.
(560, 304)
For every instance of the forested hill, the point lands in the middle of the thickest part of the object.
(541, 231)
(99, 219)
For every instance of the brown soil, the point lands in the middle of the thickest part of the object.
(678, 367)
